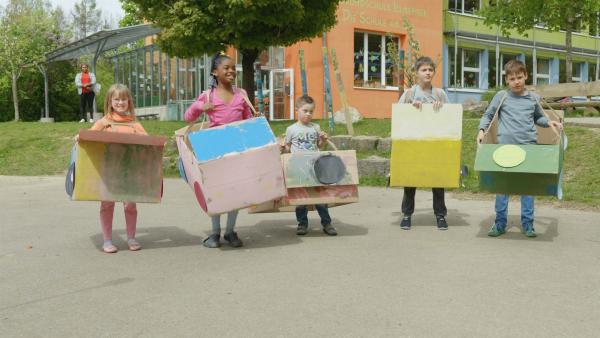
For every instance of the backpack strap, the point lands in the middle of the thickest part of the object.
(410, 95)
(247, 100)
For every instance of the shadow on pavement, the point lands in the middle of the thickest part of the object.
(546, 228)
(152, 238)
(279, 232)
(425, 217)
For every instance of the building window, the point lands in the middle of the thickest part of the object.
(464, 6)
(592, 72)
(493, 81)
(542, 76)
(468, 69)
(372, 63)
(576, 76)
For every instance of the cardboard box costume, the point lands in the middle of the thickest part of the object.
(110, 166)
(522, 169)
(426, 146)
(231, 167)
(327, 177)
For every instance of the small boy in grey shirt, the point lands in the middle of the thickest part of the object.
(307, 136)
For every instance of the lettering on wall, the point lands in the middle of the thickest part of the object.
(394, 6)
(364, 18)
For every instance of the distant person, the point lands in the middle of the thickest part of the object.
(85, 82)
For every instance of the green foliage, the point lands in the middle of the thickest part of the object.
(193, 27)
(522, 15)
(131, 17)
(63, 98)
(27, 32)
(555, 15)
(87, 18)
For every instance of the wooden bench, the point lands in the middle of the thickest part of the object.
(553, 92)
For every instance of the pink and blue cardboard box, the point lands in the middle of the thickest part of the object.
(231, 167)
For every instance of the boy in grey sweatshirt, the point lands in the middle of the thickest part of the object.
(518, 113)
(424, 92)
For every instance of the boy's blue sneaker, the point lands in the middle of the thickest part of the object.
(496, 231)
(529, 231)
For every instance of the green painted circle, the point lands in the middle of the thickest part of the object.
(509, 156)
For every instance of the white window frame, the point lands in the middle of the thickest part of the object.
(539, 75)
(365, 60)
(576, 65)
(470, 69)
(461, 9)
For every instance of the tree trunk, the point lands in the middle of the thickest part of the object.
(15, 95)
(248, 58)
(569, 48)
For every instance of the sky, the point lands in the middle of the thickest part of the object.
(110, 7)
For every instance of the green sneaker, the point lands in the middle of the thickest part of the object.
(529, 231)
(496, 231)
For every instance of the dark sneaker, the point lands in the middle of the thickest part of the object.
(302, 230)
(496, 231)
(212, 241)
(233, 239)
(529, 231)
(405, 224)
(329, 229)
(441, 223)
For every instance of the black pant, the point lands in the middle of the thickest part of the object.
(302, 214)
(86, 100)
(408, 201)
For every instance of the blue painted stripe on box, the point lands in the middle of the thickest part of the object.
(213, 143)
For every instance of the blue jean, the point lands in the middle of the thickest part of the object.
(302, 214)
(527, 206)
(216, 222)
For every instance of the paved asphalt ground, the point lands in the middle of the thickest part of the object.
(373, 280)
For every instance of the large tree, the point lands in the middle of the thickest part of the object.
(193, 27)
(555, 15)
(87, 18)
(26, 35)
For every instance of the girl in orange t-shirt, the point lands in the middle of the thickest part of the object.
(119, 117)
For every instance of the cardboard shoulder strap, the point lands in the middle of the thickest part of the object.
(491, 133)
(410, 94)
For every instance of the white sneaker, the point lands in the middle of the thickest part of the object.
(82, 120)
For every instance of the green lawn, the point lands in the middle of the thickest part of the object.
(31, 148)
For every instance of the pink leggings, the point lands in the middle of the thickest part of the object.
(106, 218)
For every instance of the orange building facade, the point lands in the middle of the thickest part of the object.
(360, 41)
